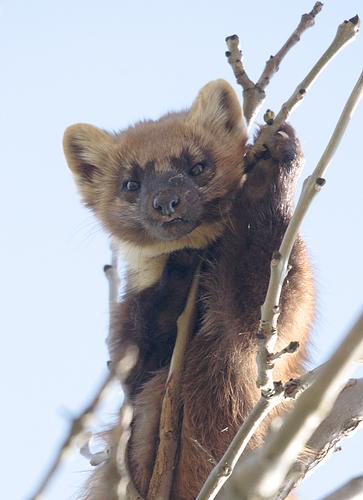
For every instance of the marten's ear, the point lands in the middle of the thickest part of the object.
(87, 151)
(217, 107)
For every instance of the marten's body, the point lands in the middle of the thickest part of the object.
(175, 195)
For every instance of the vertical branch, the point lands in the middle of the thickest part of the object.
(112, 275)
(121, 433)
(162, 477)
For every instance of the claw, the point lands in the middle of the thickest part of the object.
(283, 134)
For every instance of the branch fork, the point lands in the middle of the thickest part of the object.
(254, 93)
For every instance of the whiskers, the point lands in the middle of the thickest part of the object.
(226, 218)
(86, 232)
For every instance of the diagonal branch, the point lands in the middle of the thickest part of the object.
(273, 64)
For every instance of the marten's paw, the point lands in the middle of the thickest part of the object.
(281, 149)
(280, 155)
(283, 146)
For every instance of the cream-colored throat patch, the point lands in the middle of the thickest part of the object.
(142, 270)
(145, 265)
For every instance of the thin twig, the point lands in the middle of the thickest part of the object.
(161, 481)
(254, 94)
(77, 426)
(273, 64)
(235, 59)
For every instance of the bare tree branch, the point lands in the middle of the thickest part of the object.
(162, 477)
(112, 275)
(254, 94)
(121, 433)
(273, 64)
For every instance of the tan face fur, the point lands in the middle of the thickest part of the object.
(167, 184)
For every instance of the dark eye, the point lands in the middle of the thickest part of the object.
(131, 185)
(197, 169)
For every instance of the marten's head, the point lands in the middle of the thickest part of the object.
(164, 184)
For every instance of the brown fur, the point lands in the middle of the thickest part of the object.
(172, 221)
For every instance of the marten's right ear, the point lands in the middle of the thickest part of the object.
(87, 150)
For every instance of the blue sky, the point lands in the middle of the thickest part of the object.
(111, 63)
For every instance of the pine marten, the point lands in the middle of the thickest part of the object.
(178, 193)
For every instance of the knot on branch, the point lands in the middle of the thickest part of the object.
(269, 117)
(354, 20)
(226, 470)
(292, 388)
(276, 257)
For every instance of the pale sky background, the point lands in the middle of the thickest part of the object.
(111, 63)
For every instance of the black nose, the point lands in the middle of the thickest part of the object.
(165, 202)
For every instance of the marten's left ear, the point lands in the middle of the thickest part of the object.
(217, 108)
